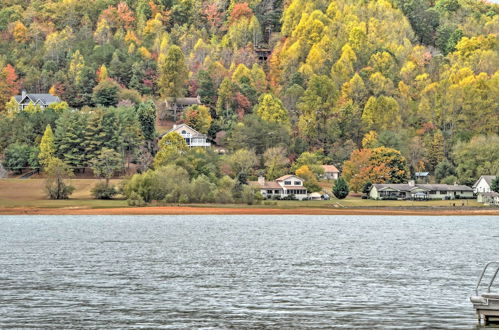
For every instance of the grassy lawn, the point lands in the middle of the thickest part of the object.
(18, 193)
(31, 193)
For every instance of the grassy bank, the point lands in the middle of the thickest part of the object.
(29, 193)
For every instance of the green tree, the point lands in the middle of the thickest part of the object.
(172, 73)
(242, 162)
(47, 147)
(444, 169)
(146, 112)
(340, 189)
(70, 138)
(55, 185)
(107, 163)
(275, 162)
(474, 158)
(19, 156)
(495, 184)
(106, 93)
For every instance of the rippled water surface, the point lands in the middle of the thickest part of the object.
(242, 271)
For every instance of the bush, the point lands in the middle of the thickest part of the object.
(291, 197)
(135, 200)
(248, 195)
(55, 186)
(389, 198)
(103, 191)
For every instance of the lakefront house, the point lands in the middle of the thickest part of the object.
(192, 137)
(411, 190)
(483, 184)
(41, 100)
(282, 187)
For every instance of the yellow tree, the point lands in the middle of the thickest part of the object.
(47, 147)
(171, 146)
(381, 113)
(271, 109)
(173, 73)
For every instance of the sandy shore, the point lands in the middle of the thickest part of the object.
(179, 210)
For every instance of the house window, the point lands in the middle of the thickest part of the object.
(269, 192)
(276, 191)
(287, 183)
(443, 192)
(297, 183)
(433, 192)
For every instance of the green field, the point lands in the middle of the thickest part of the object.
(18, 193)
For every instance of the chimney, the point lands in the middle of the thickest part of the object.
(261, 180)
(23, 94)
(412, 183)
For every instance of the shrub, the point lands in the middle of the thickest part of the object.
(103, 191)
(248, 195)
(135, 200)
(55, 186)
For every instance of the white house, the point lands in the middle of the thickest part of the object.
(192, 137)
(412, 190)
(483, 184)
(41, 100)
(281, 187)
(330, 172)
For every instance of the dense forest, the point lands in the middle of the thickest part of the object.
(285, 85)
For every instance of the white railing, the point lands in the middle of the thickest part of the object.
(200, 144)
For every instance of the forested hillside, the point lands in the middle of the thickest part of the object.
(342, 78)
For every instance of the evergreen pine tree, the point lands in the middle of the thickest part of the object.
(340, 189)
(70, 137)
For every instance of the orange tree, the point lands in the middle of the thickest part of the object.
(379, 165)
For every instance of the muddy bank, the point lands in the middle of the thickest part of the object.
(179, 210)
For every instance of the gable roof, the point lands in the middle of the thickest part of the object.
(266, 185)
(330, 169)
(44, 99)
(289, 176)
(487, 178)
(178, 127)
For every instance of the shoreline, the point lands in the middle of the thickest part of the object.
(190, 210)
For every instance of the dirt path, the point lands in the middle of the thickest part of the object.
(174, 210)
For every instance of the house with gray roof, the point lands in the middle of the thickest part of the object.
(41, 100)
(412, 190)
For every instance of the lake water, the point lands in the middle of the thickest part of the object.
(242, 271)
